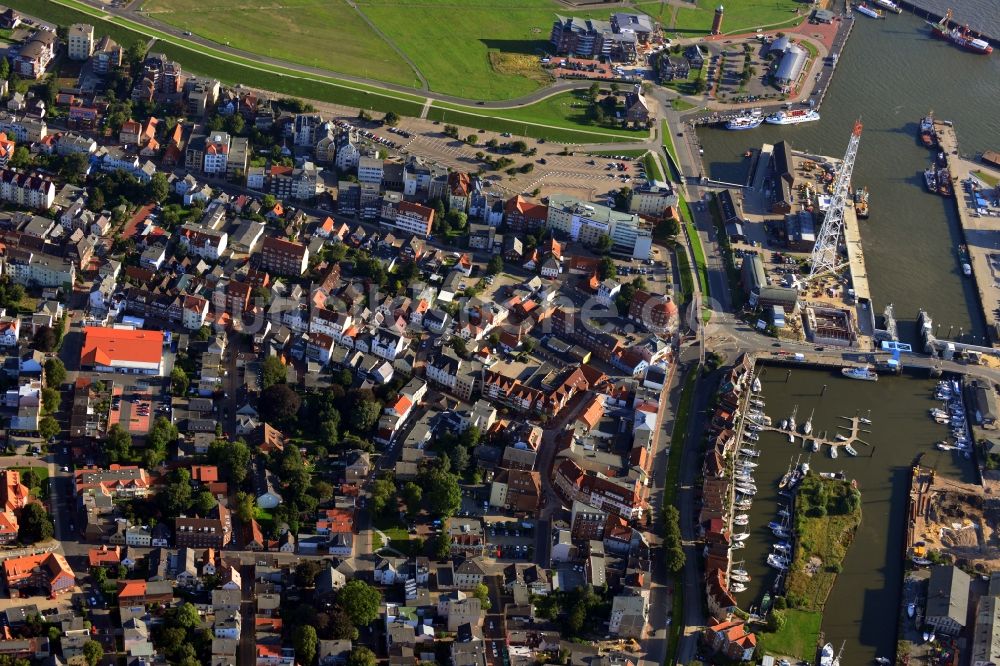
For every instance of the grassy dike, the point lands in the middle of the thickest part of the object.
(232, 69)
(670, 484)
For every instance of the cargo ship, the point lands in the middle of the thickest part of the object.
(792, 117)
(868, 11)
(745, 121)
(928, 135)
(960, 37)
(861, 202)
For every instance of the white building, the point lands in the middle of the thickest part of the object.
(216, 154)
(80, 41)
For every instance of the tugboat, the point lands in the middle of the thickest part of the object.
(861, 203)
(930, 179)
(928, 136)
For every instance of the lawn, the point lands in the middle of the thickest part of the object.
(668, 144)
(679, 104)
(451, 42)
(299, 31)
(825, 524)
(797, 638)
(744, 16)
(990, 180)
(652, 167)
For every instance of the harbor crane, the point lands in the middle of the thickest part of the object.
(825, 257)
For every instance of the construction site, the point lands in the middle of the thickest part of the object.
(952, 521)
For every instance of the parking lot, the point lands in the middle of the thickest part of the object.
(134, 408)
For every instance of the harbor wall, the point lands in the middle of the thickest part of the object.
(931, 15)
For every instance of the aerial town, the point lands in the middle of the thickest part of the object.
(516, 333)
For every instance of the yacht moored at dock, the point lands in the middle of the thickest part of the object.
(867, 374)
(745, 121)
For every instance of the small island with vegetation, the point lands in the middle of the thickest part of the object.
(826, 518)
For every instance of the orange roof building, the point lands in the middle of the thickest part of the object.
(48, 571)
(122, 350)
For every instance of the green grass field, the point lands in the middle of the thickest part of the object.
(740, 17)
(652, 167)
(797, 638)
(318, 33)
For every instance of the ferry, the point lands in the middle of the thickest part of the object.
(868, 11)
(866, 374)
(745, 121)
(793, 117)
(960, 37)
(889, 5)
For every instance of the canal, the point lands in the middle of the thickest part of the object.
(890, 74)
(862, 608)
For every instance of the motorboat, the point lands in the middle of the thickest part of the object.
(741, 519)
(775, 525)
(757, 402)
(826, 655)
(911, 609)
(755, 386)
(740, 579)
(807, 427)
(777, 562)
(882, 660)
(749, 464)
(783, 513)
(804, 468)
(743, 505)
(742, 536)
(921, 561)
(747, 490)
(782, 548)
(833, 451)
(938, 413)
(740, 571)
(781, 533)
(941, 446)
(864, 420)
(753, 453)
(815, 445)
(850, 450)
(784, 424)
(751, 436)
(737, 587)
(791, 437)
(842, 437)
(753, 427)
(738, 545)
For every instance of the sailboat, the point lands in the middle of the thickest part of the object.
(737, 587)
(755, 386)
(741, 519)
(786, 478)
(791, 419)
(808, 427)
(742, 536)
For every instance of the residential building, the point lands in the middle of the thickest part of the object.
(216, 156)
(29, 190)
(48, 571)
(587, 223)
(370, 170)
(653, 199)
(629, 613)
(733, 639)
(118, 481)
(196, 532)
(413, 218)
(284, 257)
(35, 54)
(80, 41)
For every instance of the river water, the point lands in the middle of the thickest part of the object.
(862, 609)
(890, 74)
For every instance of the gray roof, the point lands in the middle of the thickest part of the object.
(791, 64)
(948, 593)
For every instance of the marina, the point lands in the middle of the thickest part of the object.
(765, 542)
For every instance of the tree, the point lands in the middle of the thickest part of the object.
(48, 427)
(459, 345)
(45, 339)
(204, 502)
(244, 507)
(159, 187)
(472, 139)
(495, 265)
(322, 491)
(594, 91)
(361, 656)
(336, 625)
(118, 448)
(187, 616)
(606, 268)
(776, 621)
(51, 399)
(603, 243)
(272, 372)
(482, 593)
(177, 496)
(280, 403)
(233, 458)
(179, 381)
(391, 119)
(55, 372)
(93, 653)
(34, 524)
(413, 495)
(365, 415)
(383, 491)
(360, 601)
(441, 545)
(442, 493)
(203, 334)
(305, 641)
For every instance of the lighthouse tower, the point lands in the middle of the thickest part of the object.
(717, 22)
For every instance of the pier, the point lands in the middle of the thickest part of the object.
(854, 437)
(981, 232)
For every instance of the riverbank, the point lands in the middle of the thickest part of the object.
(981, 232)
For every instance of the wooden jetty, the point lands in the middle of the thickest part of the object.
(854, 429)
